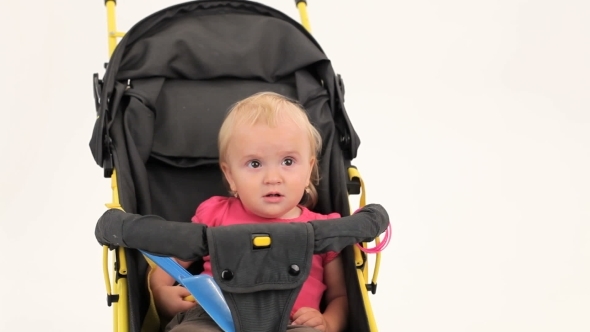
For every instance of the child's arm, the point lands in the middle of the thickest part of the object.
(337, 309)
(334, 317)
(169, 299)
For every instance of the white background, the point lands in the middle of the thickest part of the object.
(475, 127)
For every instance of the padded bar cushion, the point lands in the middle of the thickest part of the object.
(363, 226)
(153, 234)
(188, 241)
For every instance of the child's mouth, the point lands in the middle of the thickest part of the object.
(273, 198)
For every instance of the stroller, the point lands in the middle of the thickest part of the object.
(160, 103)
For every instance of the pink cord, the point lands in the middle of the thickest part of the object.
(379, 247)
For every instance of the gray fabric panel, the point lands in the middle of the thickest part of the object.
(176, 192)
(261, 291)
(139, 115)
(256, 270)
(139, 121)
(190, 113)
(316, 101)
(176, 122)
(200, 46)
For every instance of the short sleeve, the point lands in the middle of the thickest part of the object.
(208, 212)
(328, 257)
(333, 215)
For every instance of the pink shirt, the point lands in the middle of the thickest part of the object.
(223, 211)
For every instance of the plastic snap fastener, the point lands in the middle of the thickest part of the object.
(294, 270)
(227, 275)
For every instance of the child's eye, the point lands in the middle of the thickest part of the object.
(288, 162)
(254, 164)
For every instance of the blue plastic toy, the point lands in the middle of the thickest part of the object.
(202, 287)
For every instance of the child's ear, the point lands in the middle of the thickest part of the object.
(227, 173)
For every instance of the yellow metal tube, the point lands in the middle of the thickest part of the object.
(115, 317)
(120, 306)
(122, 261)
(302, 6)
(368, 307)
(105, 268)
(377, 262)
(115, 190)
(122, 269)
(123, 307)
(111, 25)
(353, 173)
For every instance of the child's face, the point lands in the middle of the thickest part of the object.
(269, 168)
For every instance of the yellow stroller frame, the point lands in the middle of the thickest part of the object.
(116, 286)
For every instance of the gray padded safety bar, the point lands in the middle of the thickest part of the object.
(260, 284)
(188, 241)
(153, 234)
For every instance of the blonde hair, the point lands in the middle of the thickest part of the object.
(271, 108)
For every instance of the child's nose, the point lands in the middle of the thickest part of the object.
(272, 176)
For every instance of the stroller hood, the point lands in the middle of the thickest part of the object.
(212, 40)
